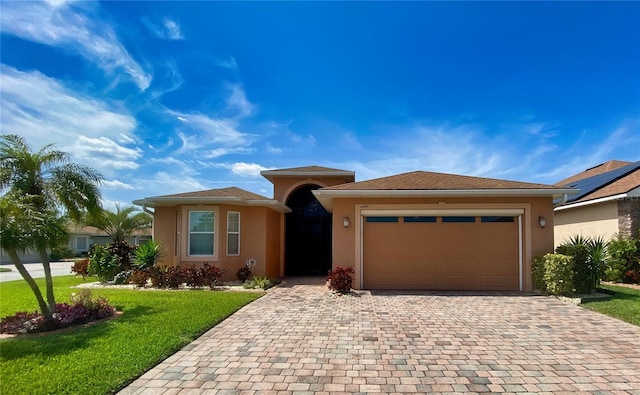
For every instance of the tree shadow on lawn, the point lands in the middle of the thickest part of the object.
(54, 343)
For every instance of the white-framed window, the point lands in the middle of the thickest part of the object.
(233, 233)
(82, 243)
(201, 233)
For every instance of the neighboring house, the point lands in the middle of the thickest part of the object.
(608, 202)
(418, 230)
(81, 238)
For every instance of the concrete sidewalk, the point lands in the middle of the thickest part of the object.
(36, 270)
(301, 339)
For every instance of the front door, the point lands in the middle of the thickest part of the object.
(308, 235)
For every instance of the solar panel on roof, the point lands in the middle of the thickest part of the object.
(591, 184)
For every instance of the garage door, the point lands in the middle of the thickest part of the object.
(441, 252)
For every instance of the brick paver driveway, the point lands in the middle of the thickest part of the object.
(301, 338)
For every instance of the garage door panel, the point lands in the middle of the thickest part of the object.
(436, 255)
(460, 282)
(499, 283)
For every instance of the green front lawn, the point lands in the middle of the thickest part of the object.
(100, 359)
(624, 304)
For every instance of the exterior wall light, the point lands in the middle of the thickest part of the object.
(345, 222)
(542, 221)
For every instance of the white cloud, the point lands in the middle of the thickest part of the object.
(308, 139)
(248, 169)
(117, 185)
(218, 152)
(58, 24)
(227, 63)
(165, 183)
(274, 150)
(105, 154)
(237, 101)
(34, 105)
(203, 129)
(168, 30)
(172, 29)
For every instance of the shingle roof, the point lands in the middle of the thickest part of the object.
(423, 180)
(93, 231)
(617, 181)
(594, 171)
(232, 195)
(231, 192)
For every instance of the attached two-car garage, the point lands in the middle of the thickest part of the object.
(436, 231)
(442, 252)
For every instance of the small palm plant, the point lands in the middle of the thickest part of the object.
(148, 255)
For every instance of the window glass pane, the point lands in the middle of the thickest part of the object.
(233, 244)
(233, 222)
(382, 219)
(201, 244)
(81, 243)
(419, 219)
(458, 219)
(497, 219)
(201, 221)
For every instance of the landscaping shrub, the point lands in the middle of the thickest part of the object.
(81, 267)
(139, 277)
(589, 255)
(340, 279)
(259, 282)
(124, 252)
(57, 253)
(243, 274)
(213, 275)
(102, 263)
(147, 255)
(623, 263)
(82, 309)
(554, 274)
(175, 276)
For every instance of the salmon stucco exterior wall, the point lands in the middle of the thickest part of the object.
(259, 238)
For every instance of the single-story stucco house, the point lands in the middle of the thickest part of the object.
(608, 202)
(81, 238)
(418, 230)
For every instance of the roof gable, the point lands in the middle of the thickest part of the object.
(422, 180)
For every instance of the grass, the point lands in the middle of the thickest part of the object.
(102, 358)
(4, 269)
(624, 304)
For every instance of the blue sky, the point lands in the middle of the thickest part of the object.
(168, 97)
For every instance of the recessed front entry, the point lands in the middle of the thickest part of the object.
(308, 235)
(441, 252)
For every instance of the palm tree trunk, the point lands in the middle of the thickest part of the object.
(44, 257)
(15, 259)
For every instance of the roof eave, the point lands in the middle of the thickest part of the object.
(197, 200)
(326, 196)
(271, 174)
(631, 194)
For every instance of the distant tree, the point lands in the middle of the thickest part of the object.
(35, 186)
(121, 223)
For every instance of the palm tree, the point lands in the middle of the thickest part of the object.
(121, 223)
(34, 186)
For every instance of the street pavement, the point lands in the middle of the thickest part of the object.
(36, 270)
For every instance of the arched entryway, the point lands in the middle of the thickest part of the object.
(308, 234)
